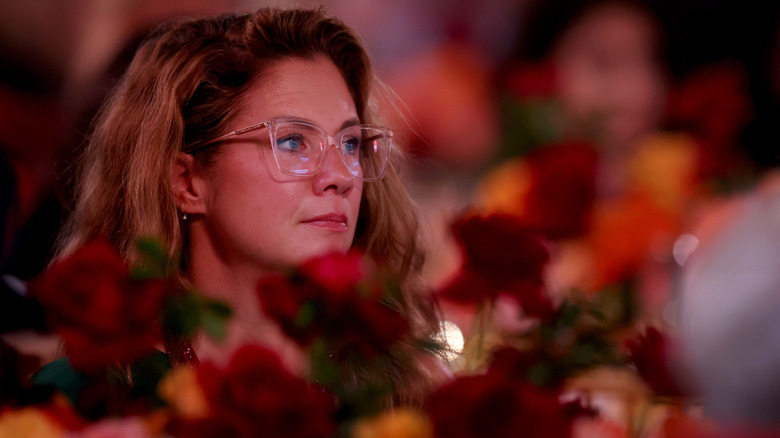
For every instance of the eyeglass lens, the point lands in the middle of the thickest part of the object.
(299, 149)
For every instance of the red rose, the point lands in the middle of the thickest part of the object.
(502, 249)
(255, 396)
(494, 406)
(712, 101)
(366, 326)
(513, 363)
(103, 315)
(338, 274)
(650, 354)
(85, 289)
(714, 106)
(89, 353)
(283, 299)
(563, 189)
(470, 287)
(329, 297)
(501, 255)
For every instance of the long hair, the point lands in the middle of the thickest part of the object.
(185, 85)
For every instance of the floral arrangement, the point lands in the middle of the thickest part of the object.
(111, 318)
(596, 302)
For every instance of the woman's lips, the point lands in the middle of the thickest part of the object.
(330, 222)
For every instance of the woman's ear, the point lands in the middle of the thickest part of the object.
(188, 185)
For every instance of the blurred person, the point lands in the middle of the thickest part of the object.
(729, 295)
(730, 283)
(250, 156)
(583, 101)
(607, 72)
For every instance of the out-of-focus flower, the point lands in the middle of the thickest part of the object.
(504, 188)
(501, 255)
(714, 106)
(401, 423)
(127, 427)
(256, 396)
(286, 300)
(623, 233)
(501, 249)
(598, 428)
(563, 189)
(338, 274)
(181, 390)
(468, 287)
(651, 355)
(678, 423)
(513, 363)
(103, 316)
(29, 422)
(672, 155)
(449, 94)
(493, 406)
(334, 298)
(552, 188)
(85, 289)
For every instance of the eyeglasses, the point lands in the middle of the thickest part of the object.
(299, 147)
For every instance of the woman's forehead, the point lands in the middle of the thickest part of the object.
(312, 90)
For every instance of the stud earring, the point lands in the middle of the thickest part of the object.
(183, 213)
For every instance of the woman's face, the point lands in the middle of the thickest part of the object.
(258, 216)
(608, 75)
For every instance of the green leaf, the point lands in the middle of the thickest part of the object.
(214, 318)
(147, 373)
(151, 249)
(154, 262)
(305, 315)
(540, 374)
(218, 308)
(583, 355)
(214, 326)
(323, 370)
(182, 314)
(568, 314)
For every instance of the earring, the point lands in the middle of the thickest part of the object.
(183, 213)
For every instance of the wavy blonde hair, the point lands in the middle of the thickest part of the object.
(184, 86)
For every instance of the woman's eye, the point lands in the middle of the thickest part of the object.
(291, 143)
(351, 145)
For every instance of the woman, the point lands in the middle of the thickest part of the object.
(210, 142)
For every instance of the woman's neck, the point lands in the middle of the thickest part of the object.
(236, 285)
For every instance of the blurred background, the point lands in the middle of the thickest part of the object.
(640, 136)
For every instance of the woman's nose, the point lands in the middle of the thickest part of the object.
(334, 174)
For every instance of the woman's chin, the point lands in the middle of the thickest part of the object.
(318, 250)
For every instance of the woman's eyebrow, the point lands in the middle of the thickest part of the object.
(348, 123)
(292, 118)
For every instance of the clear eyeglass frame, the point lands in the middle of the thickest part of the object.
(373, 138)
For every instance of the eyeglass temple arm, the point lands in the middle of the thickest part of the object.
(374, 137)
(221, 138)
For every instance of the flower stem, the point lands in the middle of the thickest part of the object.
(483, 317)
